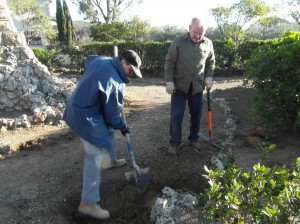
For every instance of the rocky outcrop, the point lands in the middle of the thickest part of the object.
(26, 84)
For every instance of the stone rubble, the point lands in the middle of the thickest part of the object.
(173, 208)
(230, 123)
(26, 84)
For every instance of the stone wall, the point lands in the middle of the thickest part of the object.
(26, 84)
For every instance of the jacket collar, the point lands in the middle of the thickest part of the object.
(117, 64)
(187, 36)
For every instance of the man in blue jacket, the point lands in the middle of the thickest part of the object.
(93, 113)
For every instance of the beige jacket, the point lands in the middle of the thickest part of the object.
(187, 62)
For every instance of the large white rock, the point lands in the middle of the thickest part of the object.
(25, 83)
(173, 207)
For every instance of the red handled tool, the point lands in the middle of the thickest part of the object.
(209, 124)
(209, 116)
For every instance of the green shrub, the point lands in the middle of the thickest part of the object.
(152, 54)
(225, 53)
(265, 195)
(246, 48)
(42, 55)
(273, 69)
(46, 57)
(230, 57)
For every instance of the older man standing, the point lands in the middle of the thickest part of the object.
(189, 67)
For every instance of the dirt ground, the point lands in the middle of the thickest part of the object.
(41, 177)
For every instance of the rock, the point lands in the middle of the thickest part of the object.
(262, 132)
(3, 129)
(174, 207)
(25, 83)
(23, 121)
(252, 141)
(217, 163)
(4, 150)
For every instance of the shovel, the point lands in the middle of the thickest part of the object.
(139, 177)
(209, 122)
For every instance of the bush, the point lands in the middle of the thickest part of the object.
(226, 55)
(273, 69)
(264, 195)
(247, 47)
(46, 57)
(229, 56)
(152, 54)
(42, 55)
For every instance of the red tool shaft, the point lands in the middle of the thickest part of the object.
(209, 119)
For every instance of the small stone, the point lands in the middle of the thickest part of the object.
(4, 150)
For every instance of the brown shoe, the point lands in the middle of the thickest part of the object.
(173, 150)
(195, 145)
(93, 210)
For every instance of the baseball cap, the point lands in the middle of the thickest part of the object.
(133, 58)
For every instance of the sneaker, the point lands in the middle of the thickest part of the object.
(173, 150)
(93, 210)
(117, 163)
(195, 145)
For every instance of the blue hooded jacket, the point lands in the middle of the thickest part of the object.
(97, 101)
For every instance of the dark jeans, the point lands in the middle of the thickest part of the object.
(178, 102)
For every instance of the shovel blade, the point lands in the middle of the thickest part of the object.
(138, 178)
(211, 142)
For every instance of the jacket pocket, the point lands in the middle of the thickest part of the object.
(179, 76)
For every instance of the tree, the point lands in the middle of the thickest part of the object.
(234, 22)
(139, 29)
(295, 12)
(165, 33)
(103, 11)
(34, 21)
(71, 37)
(109, 31)
(275, 30)
(66, 34)
(135, 29)
(60, 21)
(213, 33)
(82, 32)
(267, 22)
(222, 16)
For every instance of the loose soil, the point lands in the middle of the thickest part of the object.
(41, 167)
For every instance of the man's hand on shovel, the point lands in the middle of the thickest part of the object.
(125, 131)
(208, 83)
(139, 177)
(170, 88)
